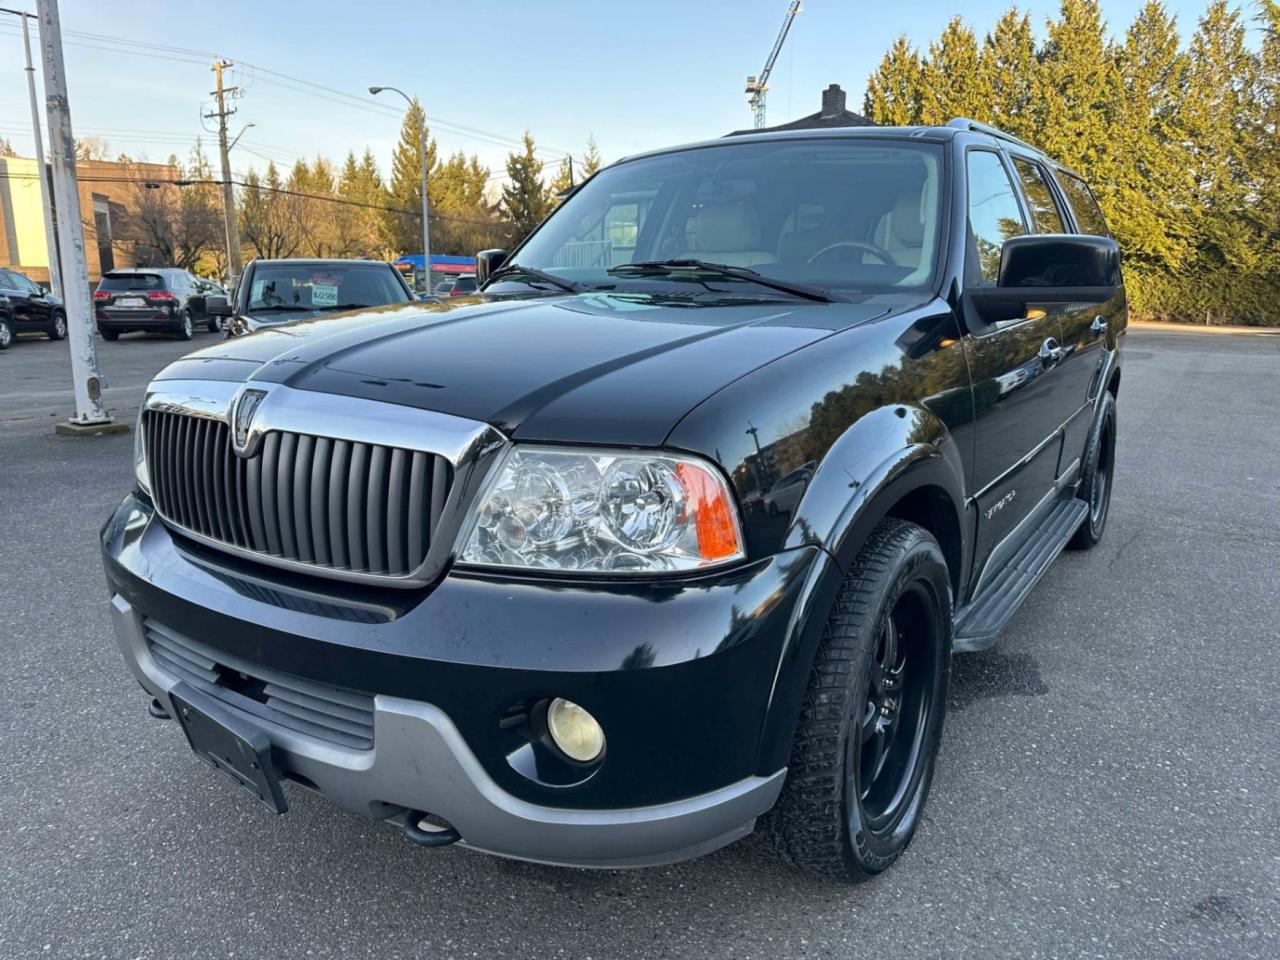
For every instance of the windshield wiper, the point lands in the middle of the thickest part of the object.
(515, 270)
(658, 267)
(272, 307)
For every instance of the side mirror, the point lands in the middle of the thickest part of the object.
(487, 261)
(217, 307)
(1056, 260)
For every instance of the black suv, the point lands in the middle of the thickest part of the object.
(673, 528)
(25, 307)
(155, 299)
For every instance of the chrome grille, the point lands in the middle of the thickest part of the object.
(334, 714)
(333, 504)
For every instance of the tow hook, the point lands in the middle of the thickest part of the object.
(428, 830)
(156, 710)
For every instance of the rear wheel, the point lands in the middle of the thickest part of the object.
(215, 324)
(112, 335)
(57, 327)
(869, 728)
(184, 328)
(6, 334)
(1096, 475)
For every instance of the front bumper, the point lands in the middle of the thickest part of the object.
(683, 689)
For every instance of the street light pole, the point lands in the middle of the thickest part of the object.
(51, 241)
(422, 147)
(90, 415)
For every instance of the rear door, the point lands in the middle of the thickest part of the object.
(1012, 361)
(1085, 327)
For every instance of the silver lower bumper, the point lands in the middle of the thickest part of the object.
(420, 761)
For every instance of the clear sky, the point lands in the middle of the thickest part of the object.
(637, 75)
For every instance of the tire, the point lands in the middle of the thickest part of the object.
(214, 324)
(849, 808)
(111, 335)
(183, 327)
(6, 334)
(1096, 476)
(57, 327)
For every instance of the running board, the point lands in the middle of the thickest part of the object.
(978, 624)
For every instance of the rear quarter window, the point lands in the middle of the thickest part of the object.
(1088, 214)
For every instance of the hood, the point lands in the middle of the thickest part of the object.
(587, 368)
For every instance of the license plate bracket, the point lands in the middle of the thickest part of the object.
(132, 302)
(233, 746)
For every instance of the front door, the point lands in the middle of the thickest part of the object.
(1013, 362)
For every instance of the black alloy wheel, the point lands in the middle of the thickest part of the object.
(1097, 476)
(872, 716)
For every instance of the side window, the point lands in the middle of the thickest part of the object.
(6, 281)
(994, 213)
(1088, 214)
(1035, 187)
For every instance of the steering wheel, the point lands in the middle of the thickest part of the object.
(878, 252)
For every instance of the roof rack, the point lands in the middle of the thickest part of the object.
(964, 123)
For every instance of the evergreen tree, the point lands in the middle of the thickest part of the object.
(951, 83)
(563, 179)
(592, 159)
(403, 225)
(1152, 185)
(896, 89)
(1076, 86)
(1007, 74)
(524, 198)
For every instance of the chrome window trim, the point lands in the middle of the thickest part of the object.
(470, 446)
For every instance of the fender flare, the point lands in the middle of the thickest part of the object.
(907, 468)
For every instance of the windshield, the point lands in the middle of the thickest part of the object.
(846, 215)
(115, 282)
(317, 287)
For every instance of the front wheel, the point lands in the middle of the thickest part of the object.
(184, 328)
(6, 334)
(1096, 475)
(57, 327)
(215, 324)
(872, 717)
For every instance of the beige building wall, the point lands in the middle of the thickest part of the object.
(22, 238)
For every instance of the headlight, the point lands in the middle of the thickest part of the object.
(140, 472)
(602, 511)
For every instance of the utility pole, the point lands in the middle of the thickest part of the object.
(422, 150)
(228, 195)
(55, 275)
(90, 415)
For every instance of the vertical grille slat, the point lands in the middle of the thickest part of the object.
(357, 478)
(317, 501)
(376, 510)
(270, 469)
(396, 495)
(284, 493)
(338, 503)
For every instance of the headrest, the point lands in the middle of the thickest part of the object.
(905, 222)
(727, 228)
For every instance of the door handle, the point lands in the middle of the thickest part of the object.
(1098, 327)
(1050, 352)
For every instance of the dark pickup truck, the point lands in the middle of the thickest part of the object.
(667, 534)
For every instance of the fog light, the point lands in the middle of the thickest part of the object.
(574, 731)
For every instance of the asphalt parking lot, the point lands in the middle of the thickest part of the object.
(1109, 783)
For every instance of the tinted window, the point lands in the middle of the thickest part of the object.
(841, 214)
(994, 214)
(464, 285)
(117, 282)
(1088, 215)
(7, 281)
(1035, 187)
(320, 287)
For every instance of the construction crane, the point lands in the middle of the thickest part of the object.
(757, 86)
